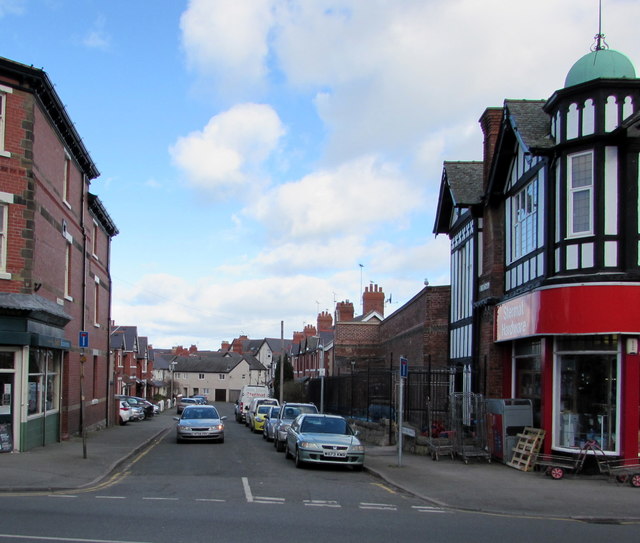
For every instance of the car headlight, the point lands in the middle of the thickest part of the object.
(219, 427)
(187, 428)
(259, 419)
(310, 445)
(284, 427)
(356, 448)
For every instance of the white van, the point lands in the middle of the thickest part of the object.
(248, 393)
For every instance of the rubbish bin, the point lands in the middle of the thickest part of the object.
(506, 418)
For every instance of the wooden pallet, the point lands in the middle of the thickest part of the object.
(526, 450)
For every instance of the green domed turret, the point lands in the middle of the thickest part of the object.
(601, 63)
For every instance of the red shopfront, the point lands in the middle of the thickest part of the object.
(575, 355)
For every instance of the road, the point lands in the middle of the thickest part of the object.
(243, 490)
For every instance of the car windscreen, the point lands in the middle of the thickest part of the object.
(264, 409)
(200, 413)
(322, 425)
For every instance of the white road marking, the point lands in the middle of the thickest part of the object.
(209, 500)
(378, 506)
(111, 497)
(321, 503)
(61, 496)
(264, 499)
(428, 509)
(14, 537)
(160, 498)
(247, 490)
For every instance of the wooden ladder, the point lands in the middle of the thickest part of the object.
(526, 450)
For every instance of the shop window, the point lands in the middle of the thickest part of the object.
(44, 369)
(586, 392)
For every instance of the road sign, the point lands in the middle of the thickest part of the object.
(83, 339)
(404, 367)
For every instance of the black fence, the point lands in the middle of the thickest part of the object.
(372, 395)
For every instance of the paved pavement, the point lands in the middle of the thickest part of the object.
(476, 486)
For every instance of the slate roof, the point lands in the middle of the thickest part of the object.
(124, 337)
(36, 306)
(215, 362)
(465, 182)
(529, 120)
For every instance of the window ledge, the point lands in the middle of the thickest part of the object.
(5, 275)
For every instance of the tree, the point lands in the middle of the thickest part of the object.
(288, 375)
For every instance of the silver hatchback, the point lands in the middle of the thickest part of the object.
(200, 422)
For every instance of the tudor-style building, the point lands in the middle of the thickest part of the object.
(55, 250)
(545, 266)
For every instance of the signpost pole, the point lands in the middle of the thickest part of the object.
(403, 375)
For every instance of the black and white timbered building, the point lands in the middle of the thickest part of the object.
(545, 256)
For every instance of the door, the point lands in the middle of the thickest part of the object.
(6, 412)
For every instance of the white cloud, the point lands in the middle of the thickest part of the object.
(229, 38)
(351, 198)
(97, 37)
(228, 153)
(12, 7)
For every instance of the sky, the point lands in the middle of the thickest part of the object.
(265, 159)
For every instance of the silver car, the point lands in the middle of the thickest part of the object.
(200, 422)
(324, 439)
(269, 427)
(288, 413)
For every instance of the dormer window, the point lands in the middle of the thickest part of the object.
(580, 194)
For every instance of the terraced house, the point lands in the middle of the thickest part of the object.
(545, 257)
(55, 239)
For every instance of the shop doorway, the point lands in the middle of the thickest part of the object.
(6, 411)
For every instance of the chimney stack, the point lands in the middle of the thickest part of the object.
(344, 311)
(490, 123)
(325, 322)
(373, 300)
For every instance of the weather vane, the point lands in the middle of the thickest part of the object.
(599, 37)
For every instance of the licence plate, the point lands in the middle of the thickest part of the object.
(339, 454)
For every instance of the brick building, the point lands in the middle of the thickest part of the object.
(55, 239)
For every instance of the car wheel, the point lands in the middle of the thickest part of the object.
(358, 467)
(222, 440)
(279, 445)
(287, 454)
(298, 461)
(122, 422)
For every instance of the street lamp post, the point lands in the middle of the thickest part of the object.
(172, 366)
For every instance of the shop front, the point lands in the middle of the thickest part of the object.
(32, 350)
(574, 354)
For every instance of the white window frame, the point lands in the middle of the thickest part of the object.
(3, 117)
(201, 377)
(67, 272)
(524, 220)
(5, 200)
(96, 303)
(221, 376)
(573, 192)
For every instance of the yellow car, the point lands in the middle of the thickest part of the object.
(260, 418)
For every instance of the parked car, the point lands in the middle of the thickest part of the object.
(184, 402)
(286, 416)
(323, 439)
(247, 393)
(253, 408)
(270, 422)
(145, 405)
(199, 422)
(201, 399)
(137, 412)
(260, 417)
(124, 413)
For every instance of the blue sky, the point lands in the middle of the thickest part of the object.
(264, 159)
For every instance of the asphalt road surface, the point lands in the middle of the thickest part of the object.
(243, 490)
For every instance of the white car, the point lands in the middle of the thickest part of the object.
(124, 413)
